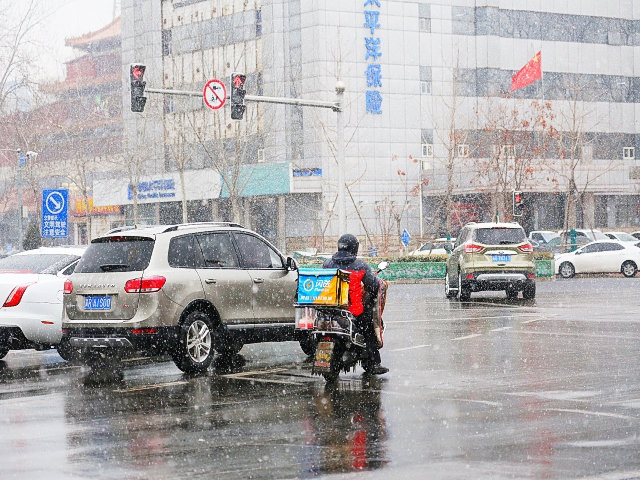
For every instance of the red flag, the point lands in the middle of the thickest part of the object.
(528, 74)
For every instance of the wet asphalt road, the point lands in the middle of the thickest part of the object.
(482, 389)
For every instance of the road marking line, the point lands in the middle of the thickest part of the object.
(596, 414)
(150, 387)
(530, 321)
(408, 348)
(57, 368)
(568, 334)
(253, 372)
(501, 329)
(466, 337)
(484, 402)
(268, 380)
(615, 476)
(448, 319)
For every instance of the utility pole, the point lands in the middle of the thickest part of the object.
(342, 204)
(20, 158)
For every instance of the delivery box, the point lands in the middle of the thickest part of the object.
(323, 286)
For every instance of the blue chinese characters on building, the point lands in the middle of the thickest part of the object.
(374, 70)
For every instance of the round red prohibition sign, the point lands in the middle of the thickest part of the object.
(214, 94)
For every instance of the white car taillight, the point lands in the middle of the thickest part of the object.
(16, 294)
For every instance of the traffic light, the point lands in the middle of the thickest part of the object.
(518, 204)
(138, 100)
(237, 96)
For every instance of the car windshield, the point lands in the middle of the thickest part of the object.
(36, 263)
(625, 237)
(499, 236)
(116, 254)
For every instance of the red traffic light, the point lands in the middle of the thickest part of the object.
(137, 71)
(517, 197)
(238, 80)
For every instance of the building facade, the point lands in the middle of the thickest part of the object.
(430, 123)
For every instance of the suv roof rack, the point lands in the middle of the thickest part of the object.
(181, 226)
(125, 228)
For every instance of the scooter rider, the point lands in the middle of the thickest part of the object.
(345, 259)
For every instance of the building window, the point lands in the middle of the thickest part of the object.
(424, 14)
(169, 106)
(260, 155)
(425, 88)
(258, 23)
(427, 150)
(166, 42)
(463, 151)
(629, 153)
(508, 151)
(587, 152)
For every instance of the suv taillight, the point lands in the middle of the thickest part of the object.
(526, 248)
(68, 287)
(145, 285)
(472, 248)
(16, 295)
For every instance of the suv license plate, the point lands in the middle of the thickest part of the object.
(500, 258)
(97, 303)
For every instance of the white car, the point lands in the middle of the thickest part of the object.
(433, 248)
(602, 256)
(31, 286)
(622, 237)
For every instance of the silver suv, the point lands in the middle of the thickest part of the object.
(186, 290)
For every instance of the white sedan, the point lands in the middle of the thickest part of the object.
(603, 256)
(31, 285)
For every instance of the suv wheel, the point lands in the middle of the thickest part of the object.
(66, 351)
(194, 351)
(566, 270)
(464, 292)
(448, 291)
(3, 352)
(529, 292)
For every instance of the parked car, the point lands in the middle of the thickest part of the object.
(542, 237)
(185, 290)
(602, 256)
(621, 237)
(435, 247)
(636, 234)
(31, 284)
(491, 256)
(593, 235)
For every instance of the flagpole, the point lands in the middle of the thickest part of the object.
(542, 75)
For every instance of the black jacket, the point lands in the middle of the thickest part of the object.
(346, 261)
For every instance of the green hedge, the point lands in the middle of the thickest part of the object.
(408, 268)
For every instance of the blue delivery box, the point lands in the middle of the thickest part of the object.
(323, 286)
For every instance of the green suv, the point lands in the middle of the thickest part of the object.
(491, 256)
(185, 290)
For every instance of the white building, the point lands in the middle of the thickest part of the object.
(406, 65)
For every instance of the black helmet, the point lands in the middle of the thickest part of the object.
(348, 243)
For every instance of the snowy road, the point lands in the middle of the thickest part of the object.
(488, 388)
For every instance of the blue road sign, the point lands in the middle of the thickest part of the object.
(405, 237)
(55, 213)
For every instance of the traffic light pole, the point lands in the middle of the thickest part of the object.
(335, 106)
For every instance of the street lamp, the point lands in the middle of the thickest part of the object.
(342, 203)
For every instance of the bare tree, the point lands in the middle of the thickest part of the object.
(517, 137)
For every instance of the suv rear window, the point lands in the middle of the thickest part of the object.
(36, 263)
(499, 236)
(116, 254)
